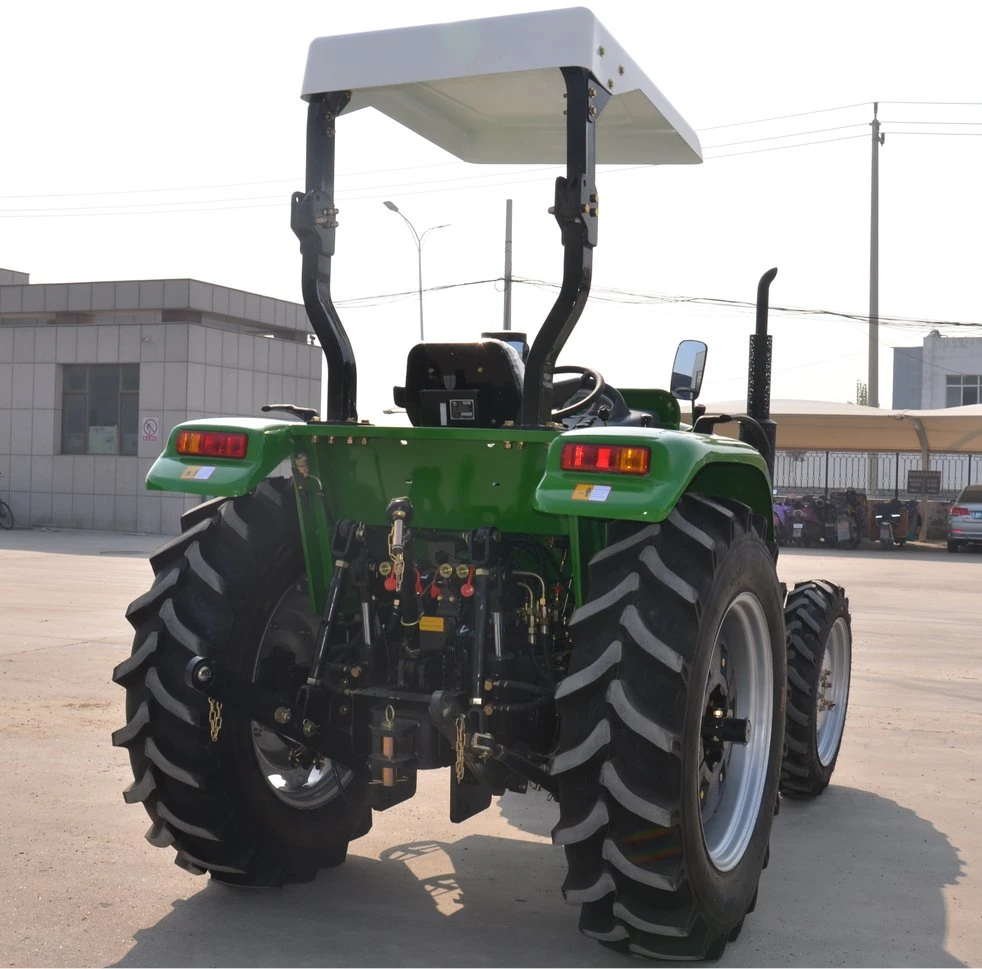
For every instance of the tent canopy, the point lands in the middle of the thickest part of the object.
(817, 425)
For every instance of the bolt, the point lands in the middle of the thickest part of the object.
(592, 91)
(203, 674)
(355, 672)
(488, 686)
(488, 710)
(282, 714)
(601, 51)
(610, 83)
(343, 709)
(620, 70)
(719, 713)
(309, 728)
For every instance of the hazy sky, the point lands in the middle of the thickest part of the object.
(148, 141)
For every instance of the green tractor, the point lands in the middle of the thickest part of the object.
(541, 581)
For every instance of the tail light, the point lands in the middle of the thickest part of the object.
(958, 510)
(612, 458)
(212, 444)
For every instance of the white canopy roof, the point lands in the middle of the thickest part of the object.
(818, 425)
(490, 90)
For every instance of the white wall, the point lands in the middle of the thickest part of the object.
(186, 371)
(944, 355)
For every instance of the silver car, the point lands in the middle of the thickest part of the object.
(965, 518)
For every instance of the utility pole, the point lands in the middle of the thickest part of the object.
(508, 264)
(873, 381)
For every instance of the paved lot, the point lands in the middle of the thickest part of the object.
(882, 870)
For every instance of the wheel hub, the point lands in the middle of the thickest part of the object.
(294, 773)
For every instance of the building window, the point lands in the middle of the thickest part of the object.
(961, 391)
(100, 406)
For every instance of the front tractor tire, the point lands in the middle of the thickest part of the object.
(666, 825)
(245, 805)
(819, 670)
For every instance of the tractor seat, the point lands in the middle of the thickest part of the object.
(462, 384)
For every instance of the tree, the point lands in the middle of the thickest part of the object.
(862, 393)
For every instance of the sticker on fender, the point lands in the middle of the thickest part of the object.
(588, 492)
(199, 473)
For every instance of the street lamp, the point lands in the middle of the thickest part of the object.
(418, 239)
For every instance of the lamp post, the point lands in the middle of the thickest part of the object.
(418, 239)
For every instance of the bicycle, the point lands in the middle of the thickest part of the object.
(6, 515)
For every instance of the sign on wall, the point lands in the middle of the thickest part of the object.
(924, 482)
(150, 430)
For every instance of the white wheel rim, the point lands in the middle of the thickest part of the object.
(730, 790)
(833, 692)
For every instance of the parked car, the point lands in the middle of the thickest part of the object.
(965, 518)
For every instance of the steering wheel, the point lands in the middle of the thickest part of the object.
(580, 405)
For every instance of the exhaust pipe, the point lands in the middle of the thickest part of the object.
(759, 377)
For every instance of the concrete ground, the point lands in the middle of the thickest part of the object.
(882, 870)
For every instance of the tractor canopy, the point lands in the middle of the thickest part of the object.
(491, 90)
(550, 87)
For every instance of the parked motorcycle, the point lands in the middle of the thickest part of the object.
(845, 518)
(782, 520)
(806, 526)
(889, 523)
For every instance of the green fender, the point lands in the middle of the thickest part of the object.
(680, 462)
(270, 443)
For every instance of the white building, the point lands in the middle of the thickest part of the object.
(94, 376)
(945, 371)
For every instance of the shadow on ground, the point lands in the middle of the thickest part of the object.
(855, 880)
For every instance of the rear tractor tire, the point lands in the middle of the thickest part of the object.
(666, 826)
(819, 670)
(239, 801)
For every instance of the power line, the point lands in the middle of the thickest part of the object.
(955, 104)
(795, 134)
(800, 114)
(195, 188)
(483, 180)
(634, 297)
(804, 144)
(938, 134)
(964, 123)
(377, 171)
(181, 206)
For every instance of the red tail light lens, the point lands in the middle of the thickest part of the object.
(958, 510)
(611, 458)
(212, 444)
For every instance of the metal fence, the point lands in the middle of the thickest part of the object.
(880, 475)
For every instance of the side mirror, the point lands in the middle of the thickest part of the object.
(687, 371)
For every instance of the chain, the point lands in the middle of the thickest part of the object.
(214, 718)
(459, 748)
